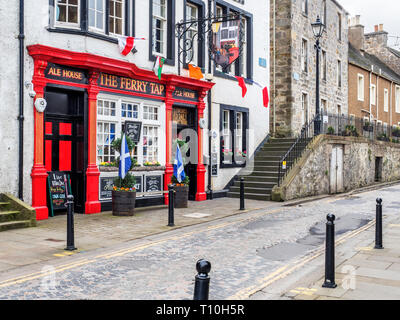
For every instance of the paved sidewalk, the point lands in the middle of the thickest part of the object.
(362, 272)
(47, 241)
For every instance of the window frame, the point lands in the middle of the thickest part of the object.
(360, 93)
(170, 35)
(67, 24)
(125, 8)
(95, 29)
(233, 111)
(385, 100)
(82, 28)
(227, 8)
(119, 120)
(201, 45)
(304, 59)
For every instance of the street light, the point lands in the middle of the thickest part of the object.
(318, 28)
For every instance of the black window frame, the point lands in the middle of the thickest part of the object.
(201, 49)
(129, 29)
(170, 59)
(233, 110)
(227, 8)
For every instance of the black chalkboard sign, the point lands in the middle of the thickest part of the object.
(106, 187)
(59, 187)
(153, 183)
(139, 183)
(133, 129)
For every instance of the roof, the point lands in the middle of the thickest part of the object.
(395, 52)
(365, 60)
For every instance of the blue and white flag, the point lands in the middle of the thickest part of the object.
(179, 170)
(125, 161)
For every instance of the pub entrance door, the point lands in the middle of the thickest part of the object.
(186, 118)
(64, 139)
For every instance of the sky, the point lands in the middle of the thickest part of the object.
(376, 12)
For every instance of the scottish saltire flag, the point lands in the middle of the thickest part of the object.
(125, 161)
(179, 171)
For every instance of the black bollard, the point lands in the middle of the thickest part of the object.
(202, 280)
(241, 193)
(70, 223)
(378, 227)
(171, 206)
(330, 253)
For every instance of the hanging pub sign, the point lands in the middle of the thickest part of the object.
(59, 187)
(225, 47)
(63, 73)
(133, 129)
(131, 85)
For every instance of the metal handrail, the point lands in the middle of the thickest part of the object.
(294, 151)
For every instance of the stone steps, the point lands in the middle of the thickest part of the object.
(4, 226)
(7, 216)
(251, 196)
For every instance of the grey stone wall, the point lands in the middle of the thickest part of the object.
(311, 175)
(292, 26)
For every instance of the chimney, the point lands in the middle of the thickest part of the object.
(381, 27)
(377, 38)
(356, 33)
(376, 28)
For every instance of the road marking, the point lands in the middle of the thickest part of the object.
(284, 271)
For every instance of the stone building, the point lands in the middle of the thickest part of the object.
(374, 88)
(71, 59)
(376, 43)
(293, 63)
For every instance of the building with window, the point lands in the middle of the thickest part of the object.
(374, 88)
(94, 94)
(293, 63)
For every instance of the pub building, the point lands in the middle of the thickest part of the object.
(91, 100)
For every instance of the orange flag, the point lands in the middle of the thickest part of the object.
(195, 72)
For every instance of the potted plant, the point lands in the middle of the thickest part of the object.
(396, 132)
(350, 131)
(368, 127)
(383, 137)
(124, 191)
(330, 130)
(181, 189)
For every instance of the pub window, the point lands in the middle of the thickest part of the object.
(129, 110)
(106, 132)
(233, 144)
(159, 21)
(150, 143)
(67, 12)
(96, 14)
(116, 17)
(112, 113)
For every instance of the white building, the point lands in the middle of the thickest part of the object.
(72, 60)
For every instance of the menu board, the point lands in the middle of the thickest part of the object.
(106, 187)
(154, 183)
(139, 183)
(133, 129)
(59, 187)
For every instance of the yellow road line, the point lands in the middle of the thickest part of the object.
(281, 273)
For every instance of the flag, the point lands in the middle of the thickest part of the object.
(242, 85)
(179, 171)
(158, 67)
(195, 72)
(126, 44)
(265, 97)
(125, 161)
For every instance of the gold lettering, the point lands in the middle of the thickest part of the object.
(114, 82)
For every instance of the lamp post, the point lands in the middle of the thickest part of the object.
(318, 28)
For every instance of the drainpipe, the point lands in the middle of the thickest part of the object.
(21, 38)
(209, 102)
(377, 97)
(274, 52)
(369, 95)
(390, 104)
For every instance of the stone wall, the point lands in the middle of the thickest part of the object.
(292, 26)
(311, 174)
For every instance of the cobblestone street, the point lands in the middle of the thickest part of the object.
(245, 251)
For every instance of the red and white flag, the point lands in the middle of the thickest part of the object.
(126, 44)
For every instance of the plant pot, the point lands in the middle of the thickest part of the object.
(181, 196)
(123, 203)
(368, 128)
